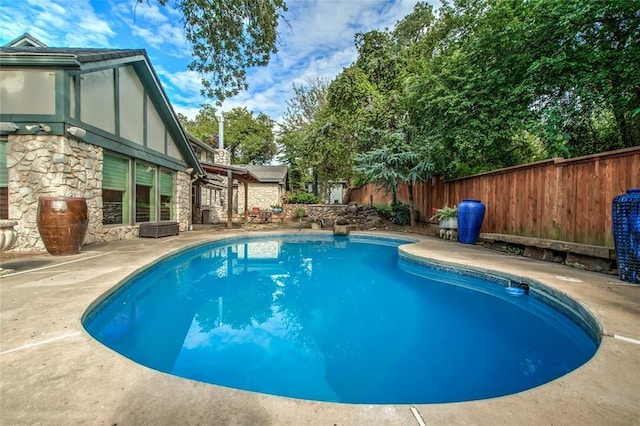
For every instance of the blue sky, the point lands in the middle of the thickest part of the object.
(317, 42)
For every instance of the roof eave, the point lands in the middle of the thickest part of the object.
(48, 60)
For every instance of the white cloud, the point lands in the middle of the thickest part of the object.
(155, 26)
(56, 23)
(187, 82)
(149, 12)
(188, 111)
(318, 41)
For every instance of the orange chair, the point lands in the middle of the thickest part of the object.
(255, 212)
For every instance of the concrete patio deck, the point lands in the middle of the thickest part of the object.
(53, 372)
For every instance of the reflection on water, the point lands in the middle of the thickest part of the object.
(334, 320)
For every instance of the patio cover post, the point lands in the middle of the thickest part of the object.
(229, 199)
(246, 201)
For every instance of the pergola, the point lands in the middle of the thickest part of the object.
(233, 173)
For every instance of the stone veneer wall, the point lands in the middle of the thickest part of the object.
(262, 195)
(183, 200)
(219, 211)
(222, 156)
(57, 166)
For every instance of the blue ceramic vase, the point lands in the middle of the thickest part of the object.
(470, 217)
(625, 218)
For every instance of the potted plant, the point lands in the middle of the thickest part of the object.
(276, 208)
(447, 217)
(299, 212)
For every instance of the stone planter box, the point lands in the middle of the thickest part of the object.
(449, 223)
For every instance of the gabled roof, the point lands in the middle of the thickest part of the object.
(269, 174)
(25, 40)
(28, 51)
(237, 172)
(194, 140)
(248, 173)
(28, 46)
(81, 55)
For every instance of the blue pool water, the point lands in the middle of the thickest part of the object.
(335, 319)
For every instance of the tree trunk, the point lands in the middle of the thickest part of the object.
(624, 128)
(315, 183)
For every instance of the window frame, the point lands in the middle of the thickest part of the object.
(127, 197)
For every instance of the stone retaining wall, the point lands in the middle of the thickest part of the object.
(328, 215)
(327, 212)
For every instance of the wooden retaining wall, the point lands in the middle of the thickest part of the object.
(568, 200)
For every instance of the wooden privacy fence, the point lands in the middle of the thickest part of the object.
(568, 200)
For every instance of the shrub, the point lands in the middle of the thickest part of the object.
(397, 212)
(384, 211)
(401, 214)
(302, 197)
(299, 212)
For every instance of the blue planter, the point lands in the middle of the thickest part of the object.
(625, 218)
(470, 217)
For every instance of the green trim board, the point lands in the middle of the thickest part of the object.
(4, 173)
(116, 100)
(145, 121)
(61, 96)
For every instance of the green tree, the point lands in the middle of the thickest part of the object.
(585, 69)
(249, 139)
(204, 126)
(227, 37)
(500, 79)
(482, 84)
(302, 108)
(396, 161)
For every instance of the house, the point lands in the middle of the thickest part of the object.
(268, 190)
(210, 191)
(263, 186)
(92, 123)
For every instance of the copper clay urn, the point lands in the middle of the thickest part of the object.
(62, 222)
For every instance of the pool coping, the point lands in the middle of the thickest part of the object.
(53, 371)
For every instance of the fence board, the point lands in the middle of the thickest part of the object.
(557, 199)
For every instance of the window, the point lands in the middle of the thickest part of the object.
(206, 197)
(154, 196)
(115, 190)
(166, 195)
(145, 192)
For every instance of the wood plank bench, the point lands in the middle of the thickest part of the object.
(582, 256)
(158, 229)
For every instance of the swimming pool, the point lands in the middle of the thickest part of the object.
(335, 319)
